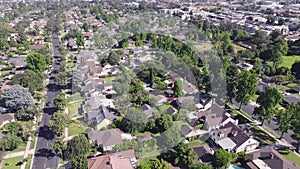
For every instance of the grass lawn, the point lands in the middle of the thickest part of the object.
(254, 97)
(75, 97)
(196, 143)
(287, 61)
(28, 161)
(204, 47)
(76, 128)
(272, 132)
(163, 108)
(73, 108)
(291, 156)
(237, 48)
(257, 132)
(33, 141)
(281, 87)
(108, 79)
(20, 148)
(247, 115)
(12, 163)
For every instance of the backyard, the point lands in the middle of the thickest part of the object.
(73, 108)
(287, 61)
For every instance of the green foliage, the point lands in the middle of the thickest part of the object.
(77, 146)
(201, 166)
(61, 101)
(295, 69)
(155, 164)
(138, 94)
(18, 98)
(239, 35)
(134, 120)
(4, 46)
(223, 158)
(164, 122)
(29, 79)
(62, 79)
(181, 155)
(178, 88)
(79, 39)
(36, 62)
(246, 86)
(59, 122)
(10, 142)
(268, 102)
(79, 162)
(59, 147)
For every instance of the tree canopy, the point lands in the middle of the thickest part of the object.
(29, 79)
(36, 62)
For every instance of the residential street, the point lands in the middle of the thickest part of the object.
(44, 157)
(272, 125)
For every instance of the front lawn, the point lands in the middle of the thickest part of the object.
(75, 97)
(76, 128)
(28, 163)
(12, 163)
(265, 137)
(18, 149)
(73, 108)
(291, 156)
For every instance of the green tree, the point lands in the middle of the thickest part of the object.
(59, 122)
(231, 79)
(85, 26)
(62, 79)
(239, 35)
(246, 87)
(295, 69)
(59, 147)
(29, 79)
(284, 121)
(61, 101)
(77, 146)
(18, 98)
(79, 39)
(201, 166)
(79, 162)
(10, 142)
(164, 122)
(178, 88)
(154, 164)
(36, 62)
(268, 102)
(4, 46)
(223, 158)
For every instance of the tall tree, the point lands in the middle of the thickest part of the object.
(36, 62)
(61, 101)
(59, 122)
(178, 88)
(77, 146)
(155, 164)
(29, 79)
(246, 87)
(18, 98)
(268, 102)
(4, 46)
(223, 158)
(295, 69)
(284, 121)
(59, 147)
(62, 79)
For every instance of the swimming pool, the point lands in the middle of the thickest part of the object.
(234, 167)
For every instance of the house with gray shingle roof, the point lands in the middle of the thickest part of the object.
(109, 138)
(232, 138)
(100, 118)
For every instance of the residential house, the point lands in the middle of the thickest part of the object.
(261, 87)
(19, 61)
(36, 47)
(147, 109)
(232, 138)
(189, 131)
(109, 138)
(204, 154)
(269, 158)
(245, 65)
(296, 89)
(185, 101)
(144, 137)
(6, 118)
(172, 111)
(213, 118)
(291, 99)
(119, 160)
(100, 118)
